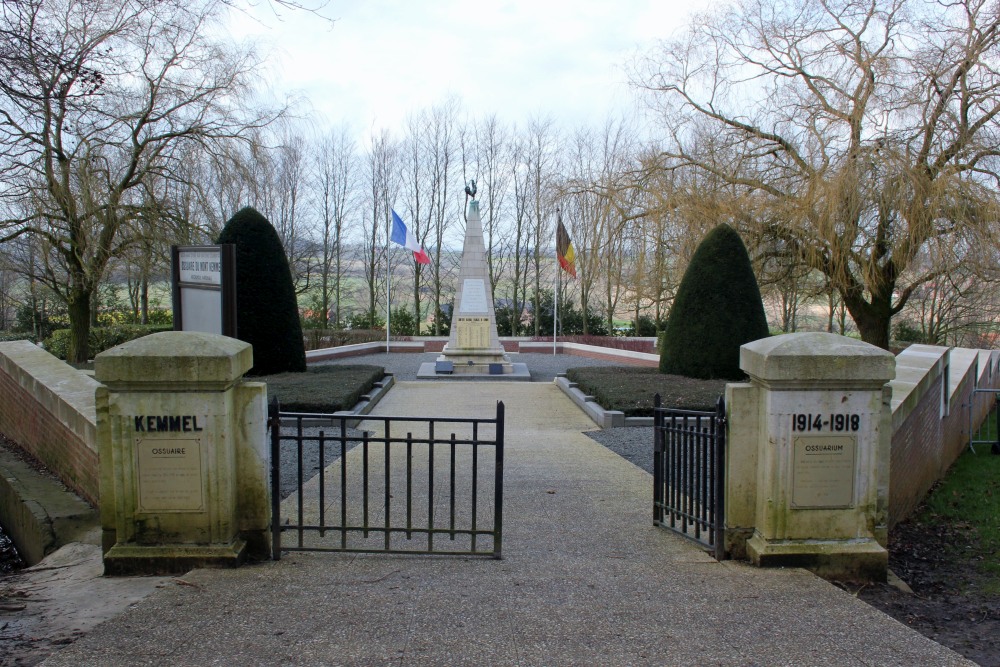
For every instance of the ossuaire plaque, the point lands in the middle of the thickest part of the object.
(474, 296)
(823, 471)
(170, 475)
(472, 332)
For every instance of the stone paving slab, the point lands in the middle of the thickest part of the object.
(586, 579)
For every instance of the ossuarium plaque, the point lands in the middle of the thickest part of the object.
(170, 475)
(823, 471)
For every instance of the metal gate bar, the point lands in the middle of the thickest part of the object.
(413, 479)
(689, 473)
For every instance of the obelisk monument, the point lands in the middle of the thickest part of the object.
(474, 344)
(473, 347)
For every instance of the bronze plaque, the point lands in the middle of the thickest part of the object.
(170, 475)
(472, 332)
(823, 471)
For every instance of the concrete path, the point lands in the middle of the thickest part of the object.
(586, 580)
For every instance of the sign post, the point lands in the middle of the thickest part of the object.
(204, 288)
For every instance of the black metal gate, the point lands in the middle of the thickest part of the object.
(689, 472)
(408, 491)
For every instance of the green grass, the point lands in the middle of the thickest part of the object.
(322, 388)
(631, 389)
(969, 495)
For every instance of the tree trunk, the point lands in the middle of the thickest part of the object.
(79, 327)
(144, 299)
(873, 318)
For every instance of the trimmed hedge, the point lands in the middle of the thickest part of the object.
(717, 309)
(631, 389)
(8, 336)
(267, 314)
(323, 389)
(102, 338)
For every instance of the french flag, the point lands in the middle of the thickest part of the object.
(402, 236)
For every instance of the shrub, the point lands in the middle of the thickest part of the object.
(717, 309)
(645, 326)
(8, 336)
(101, 338)
(316, 339)
(402, 323)
(267, 315)
(444, 318)
(366, 320)
(905, 332)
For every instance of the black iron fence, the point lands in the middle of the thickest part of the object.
(408, 485)
(689, 457)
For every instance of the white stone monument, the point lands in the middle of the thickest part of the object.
(474, 349)
(815, 482)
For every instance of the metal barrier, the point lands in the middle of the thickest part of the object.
(416, 493)
(984, 434)
(689, 458)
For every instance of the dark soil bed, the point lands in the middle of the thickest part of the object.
(948, 603)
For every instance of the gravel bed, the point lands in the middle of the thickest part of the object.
(289, 475)
(632, 443)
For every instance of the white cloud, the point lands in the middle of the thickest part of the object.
(383, 59)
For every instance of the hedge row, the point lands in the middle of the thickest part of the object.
(103, 338)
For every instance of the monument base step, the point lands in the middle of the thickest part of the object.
(519, 373)
(133, 559)
(840, 560)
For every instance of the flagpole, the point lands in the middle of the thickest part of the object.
(388, 281)
(555, 298)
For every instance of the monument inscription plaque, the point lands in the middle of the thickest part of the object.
(169, 475)
(474, 297)
(473, 332)
(823, 471)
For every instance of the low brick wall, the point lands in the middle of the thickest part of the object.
(513, 345)
(48, 407)
(931, 399)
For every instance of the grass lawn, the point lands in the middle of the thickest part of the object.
(969, 496)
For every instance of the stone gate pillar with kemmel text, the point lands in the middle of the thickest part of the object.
(183, 454)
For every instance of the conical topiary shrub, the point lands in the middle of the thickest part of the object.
(267, 314)
(717, 309)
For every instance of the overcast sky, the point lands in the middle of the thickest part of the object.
(383, 59)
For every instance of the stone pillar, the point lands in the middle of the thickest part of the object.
(822, 453)
(183, 454)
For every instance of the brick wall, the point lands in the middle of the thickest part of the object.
(47, 407)
(915, 454)
(925, 442)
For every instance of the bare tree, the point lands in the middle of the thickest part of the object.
(858, 133)
(96, 96)
(382, 182)
(491, 155)
(440, 148)
(337, 182)
(541, 158)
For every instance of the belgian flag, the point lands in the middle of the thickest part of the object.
(564, 248)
